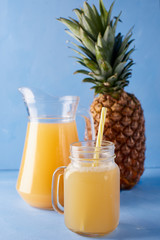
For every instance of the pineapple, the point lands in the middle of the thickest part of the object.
(106, 55)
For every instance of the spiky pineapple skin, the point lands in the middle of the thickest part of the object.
(125, 126)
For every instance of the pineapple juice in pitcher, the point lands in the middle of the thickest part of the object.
(51, 129)
(46, 148)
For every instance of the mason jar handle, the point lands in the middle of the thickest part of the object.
(55, 189)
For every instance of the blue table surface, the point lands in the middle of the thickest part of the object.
(139, 213)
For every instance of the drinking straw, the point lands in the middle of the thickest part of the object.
(100, 134)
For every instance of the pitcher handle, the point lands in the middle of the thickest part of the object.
(55, 194)
(89, 123)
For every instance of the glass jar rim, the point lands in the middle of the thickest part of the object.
(80, 151)
(106, 145)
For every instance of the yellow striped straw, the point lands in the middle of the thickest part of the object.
(100, 134)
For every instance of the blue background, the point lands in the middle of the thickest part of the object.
(34, 53)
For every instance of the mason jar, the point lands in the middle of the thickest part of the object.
(91, 189)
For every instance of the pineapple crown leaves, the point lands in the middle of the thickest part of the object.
(104, 53)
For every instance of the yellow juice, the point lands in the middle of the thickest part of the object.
(91, 199)
(46, 148)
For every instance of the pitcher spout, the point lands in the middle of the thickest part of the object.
(28, 95)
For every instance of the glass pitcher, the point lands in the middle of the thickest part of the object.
(51, 129)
